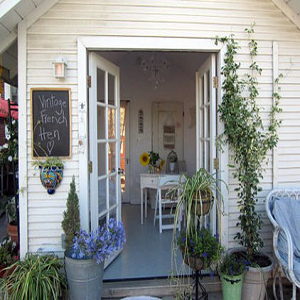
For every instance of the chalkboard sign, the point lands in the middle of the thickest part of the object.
(51, 122)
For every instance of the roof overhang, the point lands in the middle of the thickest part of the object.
(12, 12)
(291, 9)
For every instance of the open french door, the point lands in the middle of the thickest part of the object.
(206, 102)
(104, 138)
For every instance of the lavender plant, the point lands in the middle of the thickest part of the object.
(99, 244)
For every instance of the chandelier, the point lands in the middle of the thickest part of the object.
(156, 66)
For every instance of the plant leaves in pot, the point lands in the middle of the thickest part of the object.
(250, 143)
(196, 196)
(231, 270)
(84, 262)
(199, 248)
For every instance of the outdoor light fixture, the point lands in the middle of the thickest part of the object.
(60, 67)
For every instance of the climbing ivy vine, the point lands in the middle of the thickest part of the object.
(246, 136)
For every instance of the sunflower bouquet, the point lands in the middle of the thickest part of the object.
(153, 161)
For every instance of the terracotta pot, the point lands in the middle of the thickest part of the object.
(13, 232)
(207, 202)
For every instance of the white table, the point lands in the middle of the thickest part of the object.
(147, 181)
(150, 181)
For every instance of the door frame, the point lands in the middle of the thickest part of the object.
(109, 43)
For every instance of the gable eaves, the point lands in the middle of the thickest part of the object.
(288, 12)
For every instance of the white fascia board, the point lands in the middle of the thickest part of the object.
(39, 11)
(29, 20)
(7, 5)
(288, 12)
(7, 41)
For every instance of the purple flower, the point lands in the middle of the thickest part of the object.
(101, 243)
(204, 254)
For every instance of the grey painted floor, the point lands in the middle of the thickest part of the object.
(146, 253)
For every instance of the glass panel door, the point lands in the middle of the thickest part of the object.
(104, 124)
(206, 123)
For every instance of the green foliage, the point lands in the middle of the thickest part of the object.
(191, 190)
(9, 205)
(71, 219)
(245, 133)
(154, 158)
(49, 162)
(8, 253)
(201, 244)
(35, 277)
(9, 151)
(232, 265)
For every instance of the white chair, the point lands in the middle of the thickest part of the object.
(283, 210)
(165, 200)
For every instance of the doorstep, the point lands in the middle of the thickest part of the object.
(155, 287)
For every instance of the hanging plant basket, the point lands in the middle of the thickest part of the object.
(203, 203)
(194, 262)
(51, 177)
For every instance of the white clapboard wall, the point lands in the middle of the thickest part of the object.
(57, 32)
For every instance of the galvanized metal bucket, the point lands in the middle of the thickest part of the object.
(84, 277)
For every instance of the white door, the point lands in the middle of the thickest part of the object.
(104, 138)
(206, 122)
(168, 115)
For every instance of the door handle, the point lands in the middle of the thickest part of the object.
(127, 161)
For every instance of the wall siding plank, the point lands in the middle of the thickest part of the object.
(57, 32)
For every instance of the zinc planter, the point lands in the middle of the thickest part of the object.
(255, 282)
(232, 287)
(84, 277)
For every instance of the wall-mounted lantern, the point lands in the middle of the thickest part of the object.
(60, 67)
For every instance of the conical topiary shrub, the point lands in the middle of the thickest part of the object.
(71, 221)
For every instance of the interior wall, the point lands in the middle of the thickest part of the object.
(179, 85)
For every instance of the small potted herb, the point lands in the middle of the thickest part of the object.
(86, 257)
(232, 270)
(51, 173)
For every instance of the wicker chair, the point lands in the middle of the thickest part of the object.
(283, 239)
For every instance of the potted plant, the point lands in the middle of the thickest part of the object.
(231, 270)
(250, 143)
(51, 173)
(12, 225)
(8, 254)
(71, 217)
(199, 248)
(84, 262)
(35, 277)
(196, 195)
